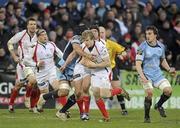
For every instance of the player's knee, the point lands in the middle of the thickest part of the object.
(78, 94)
(63, 92)
(18, 86)
(63, 88)
(32, 80)
(167, 91)
(86, 90)
(149, 93)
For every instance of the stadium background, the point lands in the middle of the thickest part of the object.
(129, 80)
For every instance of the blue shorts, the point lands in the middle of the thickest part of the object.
(68, 72)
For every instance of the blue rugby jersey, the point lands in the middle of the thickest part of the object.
(151, 57)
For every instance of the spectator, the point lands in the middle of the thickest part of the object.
(101, 9)
(74, 14)
(63, 42)
(21, 19)
(31, 8)
(53, 7)
(90, 18)
(5, 61)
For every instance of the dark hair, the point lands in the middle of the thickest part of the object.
(30, 19)
(95, 27)
(154, 29)
(79, 29)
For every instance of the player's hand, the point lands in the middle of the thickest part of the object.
(172, 71)
(91, 57)
(87, 63)
(41, 64)
(16, 59)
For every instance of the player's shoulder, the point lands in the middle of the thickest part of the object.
(51, 43)
(21, 33)
(143, 45)
(76, 39)
(160, 44)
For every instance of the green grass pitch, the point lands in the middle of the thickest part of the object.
(24, 119)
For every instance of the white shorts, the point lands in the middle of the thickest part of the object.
(23, 72)
(46, 76)
(101, 79)
(161, 84)
(80, 72)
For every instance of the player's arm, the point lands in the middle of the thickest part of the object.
(120, 50)
(166, 66)
(139, 60)
(104, 63)
(80, 52)
(90, 64)
(140, 71)
(69, 59)
(14, 40)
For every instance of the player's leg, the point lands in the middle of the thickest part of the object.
(167, 91)
(44, 89)
(100, 103)
(78, 75)
(30, 75)
(86, 95)
(147, 101)
(14, 94)
(101, 88)
(67, 76)
(19, 82)
(115, 83)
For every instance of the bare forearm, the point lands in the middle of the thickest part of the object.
(165, 65)
(70, 58)
(103, 64)
(139, 69)
(80, 52)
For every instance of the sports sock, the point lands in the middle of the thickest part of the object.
(121, 101)
(51, 95)
(86, 100)
(70, 102)
(13, 96)
(80, 105)
(62, 100)
(162, 99)
(101, 106)
(28, 90)
(34, 97)
(116, 91)
(147, 106)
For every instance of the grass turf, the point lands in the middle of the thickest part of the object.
(24, 119)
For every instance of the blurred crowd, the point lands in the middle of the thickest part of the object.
(125, 23)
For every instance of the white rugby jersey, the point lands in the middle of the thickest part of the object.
(100, 51)
(46, 52)
(25, 43)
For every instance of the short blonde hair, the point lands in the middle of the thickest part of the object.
(86, 34)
